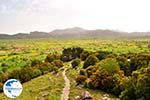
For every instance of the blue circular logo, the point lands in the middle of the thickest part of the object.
(12, 88)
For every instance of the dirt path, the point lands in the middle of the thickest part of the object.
(66, 89)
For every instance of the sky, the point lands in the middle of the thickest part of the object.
(46, 15)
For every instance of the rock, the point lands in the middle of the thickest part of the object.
(77, 98)
(45, 94)
(106, 97)
(86, 96)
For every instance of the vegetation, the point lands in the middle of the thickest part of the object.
(117, 67)
(76, 62)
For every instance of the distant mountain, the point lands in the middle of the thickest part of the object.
(30, 35)
(76, 32)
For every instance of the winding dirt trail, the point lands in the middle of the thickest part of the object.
(66, 89)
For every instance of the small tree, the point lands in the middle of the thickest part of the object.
(35, 62)
(57, 63)
(80, 79)
(84, 55)
(75, 62)
(52, 57)
(91, 60)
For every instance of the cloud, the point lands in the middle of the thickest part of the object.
(27, 15)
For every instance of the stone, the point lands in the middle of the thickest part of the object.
(86, 95)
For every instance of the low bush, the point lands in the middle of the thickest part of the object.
(57, 63)
(69, 54)
(91, 60)
(1, 87)
(82, 72)
(84, 55)
(35, 62)
(76, 62)
(80, 79)
(52, 57)
(138, 86)
(36, 73)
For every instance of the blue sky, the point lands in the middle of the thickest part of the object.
(47, 15)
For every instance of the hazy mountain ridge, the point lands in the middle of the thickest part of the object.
(76, 32)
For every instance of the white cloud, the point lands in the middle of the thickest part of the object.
(126, 15)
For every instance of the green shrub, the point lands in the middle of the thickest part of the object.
(82, 72)
(57, 63)
(35, 62)
(124, 65)
(137, 87)
(4, 65)
(76, 62)
(102, 54)
(25, 74)
(15, 74)
(69, 54)
(80, 79)
(91, 70)
(52, 57)
(110, 65)
(84, 55)
(91, 60)
(36, 73)
(102, 80)
(45, 67)
(4, 69)
(3, 77)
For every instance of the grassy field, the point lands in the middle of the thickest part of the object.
(19, 53)
(16, 54)
(46, 87)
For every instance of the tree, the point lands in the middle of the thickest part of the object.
(52, 57)
(35, 62)
(138, 87)
(76, 62)
(57, 63)
(84, 55)
(69, 54)
(91, 60)
(110, 65)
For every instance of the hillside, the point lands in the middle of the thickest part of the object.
(77, 32)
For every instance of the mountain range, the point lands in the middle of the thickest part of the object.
(76, 32)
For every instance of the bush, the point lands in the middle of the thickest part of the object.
(4, 69)
(76, 62)
(52, 57)
(124, 65)
(4, 65)
(69, 54)
(138, 86)
(82, 72)
(36, 73)
(25, 74)
(1, 87)
(110, 65)
(102, 80)
(84, 55)
(3, 77)
(80, 79)
(35, 62)
(102, 54)
(91, 70)
(91, 60)
(45, 67)
(15, 74)
(57, 63)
